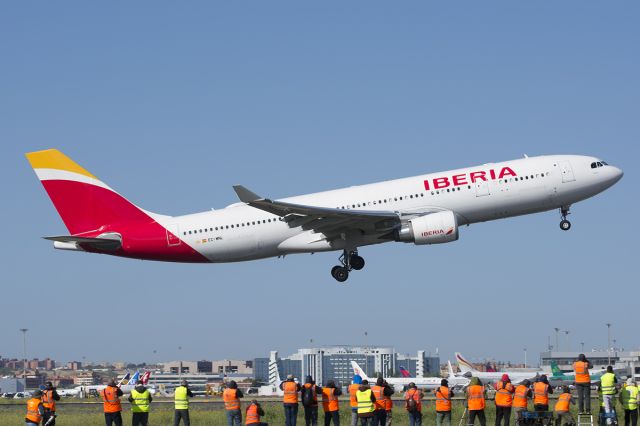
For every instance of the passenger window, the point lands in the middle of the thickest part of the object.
(232, 226)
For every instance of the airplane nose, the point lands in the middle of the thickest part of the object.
(617, 174)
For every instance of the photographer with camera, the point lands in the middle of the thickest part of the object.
(49, 398)
(181, 396)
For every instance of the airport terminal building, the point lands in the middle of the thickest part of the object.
(334, 362)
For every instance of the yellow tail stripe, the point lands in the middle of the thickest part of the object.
(54, 159)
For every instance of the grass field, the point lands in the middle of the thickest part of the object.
(208, 414)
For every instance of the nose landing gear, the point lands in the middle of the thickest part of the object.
(565, 225)
(350, 261)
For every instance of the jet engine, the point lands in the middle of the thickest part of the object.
(433, 228)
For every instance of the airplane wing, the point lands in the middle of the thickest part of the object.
(105, 244)
(331, 222)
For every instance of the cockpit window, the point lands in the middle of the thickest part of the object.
(604, 164)
(594, 165)
(599, 164)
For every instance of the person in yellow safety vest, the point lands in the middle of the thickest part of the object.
(380, 391)
(49, 398)
(353, 402)
(231, 396)
(35, 409)
(562, 410)
(330, 404)
(366, 404)
(290, 400)
(413, 404)
(541, 392)
(140, 400)
(608, 383)
(253, 413)
(583, 383)
(630, 399)
(475, 402)
(504, 399)
(181, 396)
(443, 403)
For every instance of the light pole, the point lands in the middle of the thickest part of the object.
(582, 347)
(608, 343)
(557, 330)
(180, 365)
(24, 352)
(566, 332)
(525, 357)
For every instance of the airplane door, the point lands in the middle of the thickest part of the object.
(482, 188)
(567, 171)
(173, 230)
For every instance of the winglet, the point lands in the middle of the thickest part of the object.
(245, 195)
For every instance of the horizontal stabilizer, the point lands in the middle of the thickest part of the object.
(113, 243)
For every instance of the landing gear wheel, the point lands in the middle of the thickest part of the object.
(340, 273)
(565, 225)
(357, 262)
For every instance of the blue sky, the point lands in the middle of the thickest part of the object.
(172, 103)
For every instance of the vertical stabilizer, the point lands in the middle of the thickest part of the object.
(464, 365)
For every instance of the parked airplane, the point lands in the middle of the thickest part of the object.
(126, 384)
(467, 370)
(400, 383)
(426, 209)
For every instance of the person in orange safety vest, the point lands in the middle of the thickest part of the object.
(49, 398)
(253, 414)
(443, 403)
(231, 397)
(330, 405)
(290, 400)
(111, 404)
(475, 402)
(35, 409)
(541, 392)
(504, 399)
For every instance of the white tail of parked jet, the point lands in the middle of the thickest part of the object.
(464, 365)
(359, 371)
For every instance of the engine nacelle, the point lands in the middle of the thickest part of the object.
(434, 228)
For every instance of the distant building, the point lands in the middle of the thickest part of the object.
(74, 365)
(87, 379)
(233, 366)
(11, 385)
(334, 362)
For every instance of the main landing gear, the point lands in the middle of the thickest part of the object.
(350, 261)
(565, 225)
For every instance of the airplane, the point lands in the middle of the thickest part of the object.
(273, 388)
(425, 209)
(467, 370)
(427, 383)
(126, 384)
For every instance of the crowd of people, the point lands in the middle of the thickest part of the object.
(372, 405)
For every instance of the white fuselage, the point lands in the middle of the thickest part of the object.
(476, 194)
